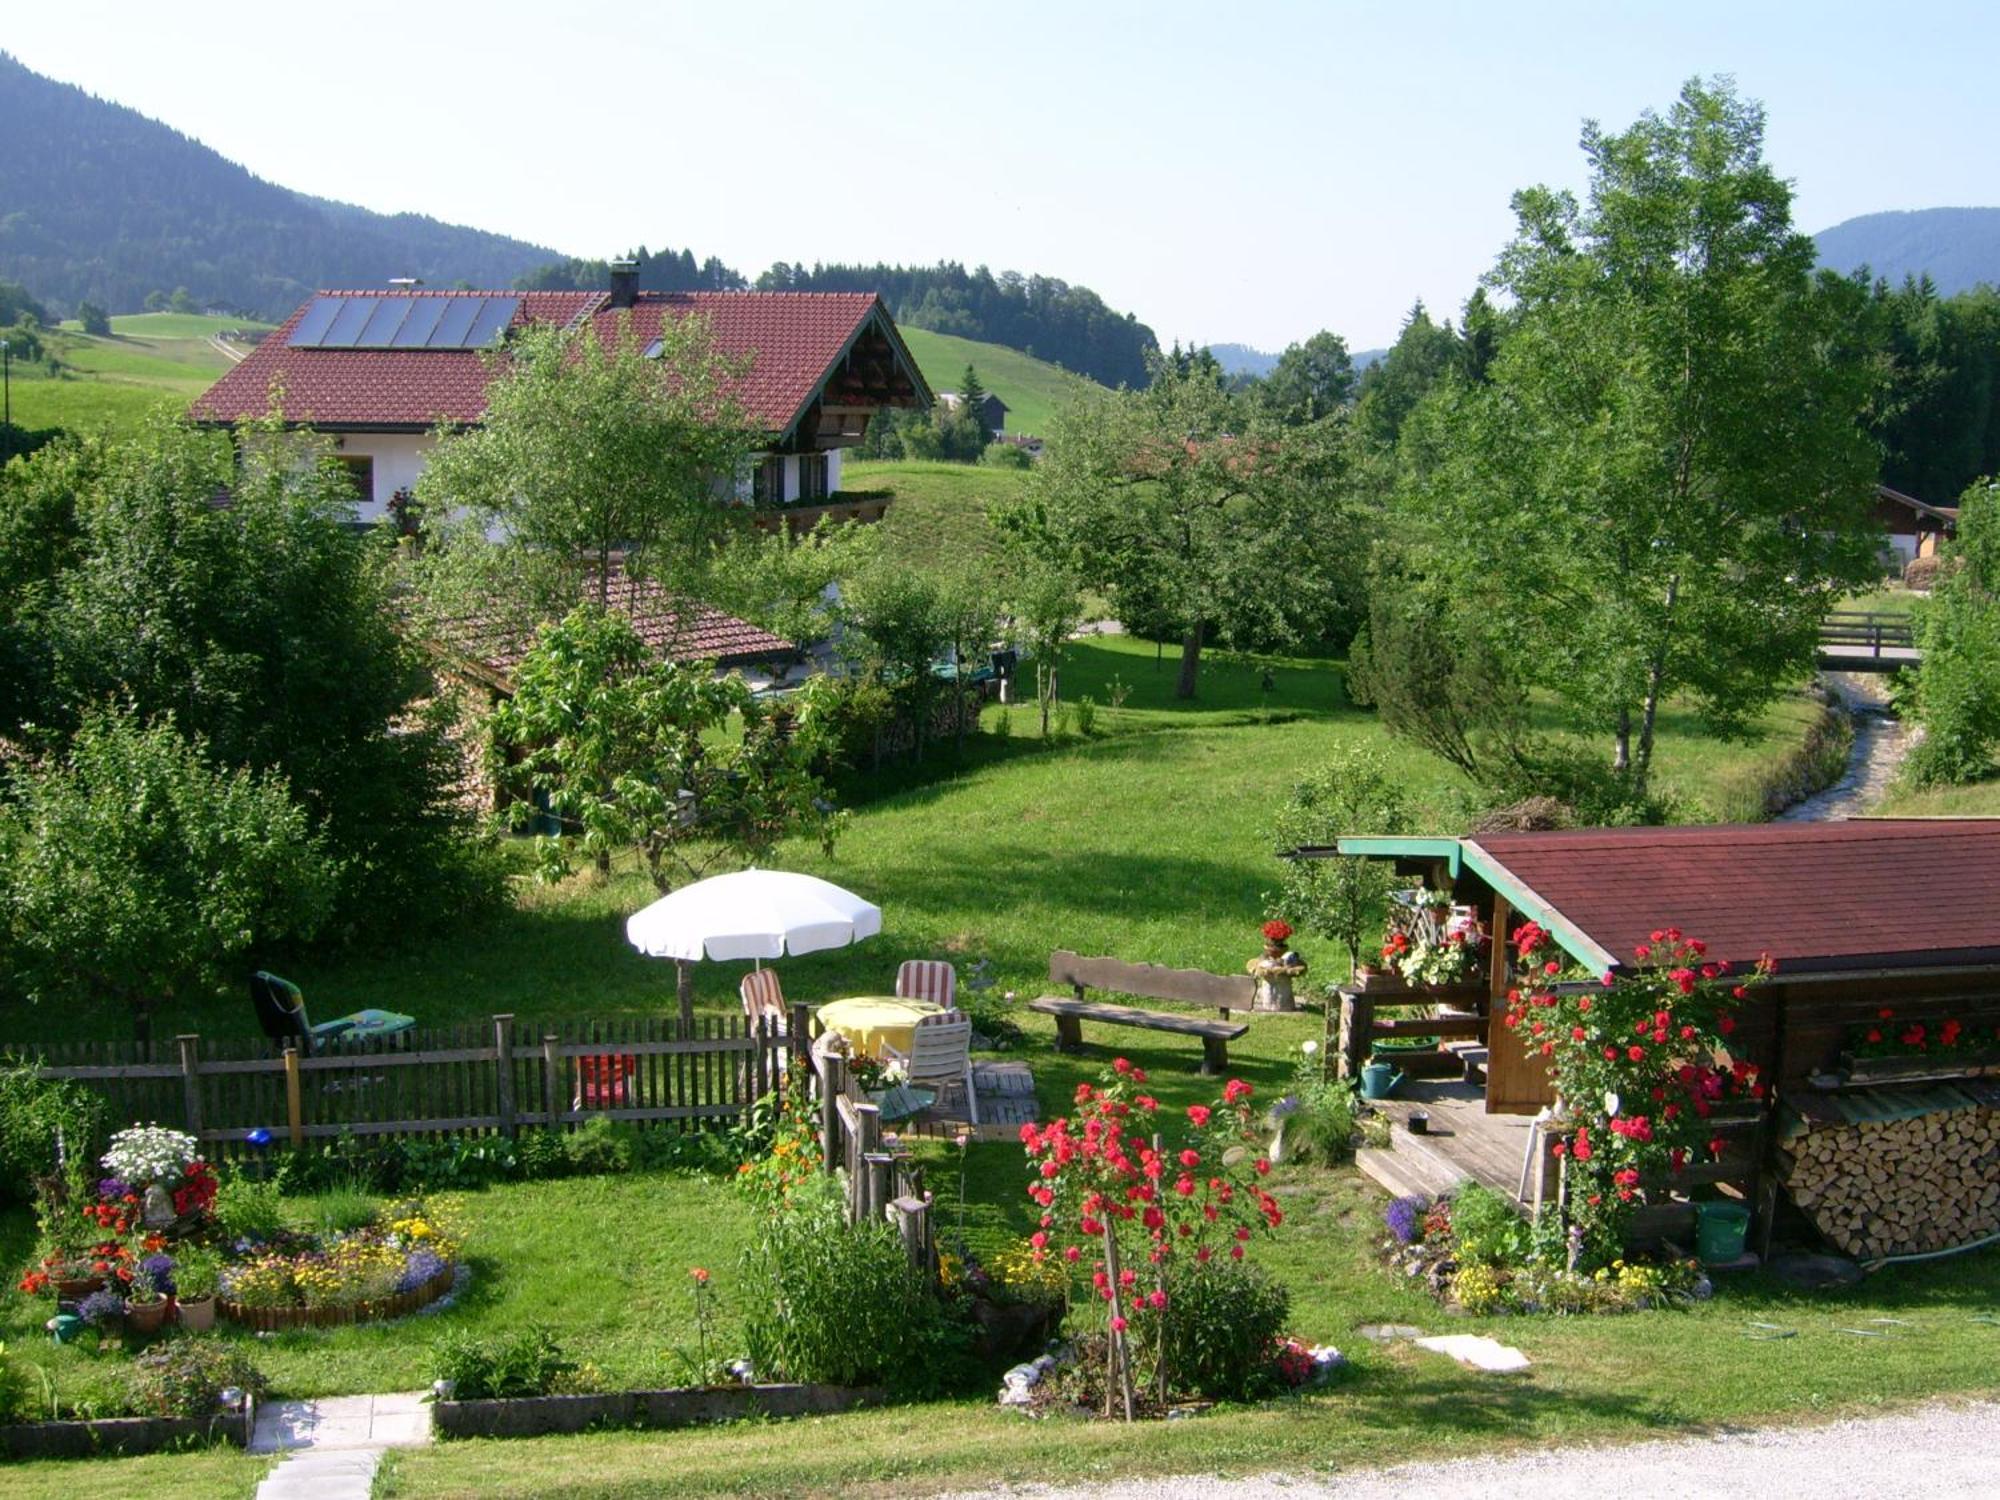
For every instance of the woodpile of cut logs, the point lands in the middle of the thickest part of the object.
(1899, 1187)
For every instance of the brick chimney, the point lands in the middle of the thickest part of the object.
(624, 283)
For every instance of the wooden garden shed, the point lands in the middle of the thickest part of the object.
(1880, 1032)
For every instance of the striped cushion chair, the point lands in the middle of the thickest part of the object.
(763, 999)
(928, 979)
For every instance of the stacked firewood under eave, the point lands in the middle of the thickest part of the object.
(1899, 1186)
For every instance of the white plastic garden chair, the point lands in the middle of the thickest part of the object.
(940, 1053)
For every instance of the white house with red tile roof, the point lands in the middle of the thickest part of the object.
(381, 370)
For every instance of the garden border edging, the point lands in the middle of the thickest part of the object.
(686, 1406)
(125, 1435)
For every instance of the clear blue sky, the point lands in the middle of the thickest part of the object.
(1230, 171)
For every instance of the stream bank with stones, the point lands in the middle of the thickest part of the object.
(1881, 740)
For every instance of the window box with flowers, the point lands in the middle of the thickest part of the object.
(1903, 1049)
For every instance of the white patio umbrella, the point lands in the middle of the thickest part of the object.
(755, 914)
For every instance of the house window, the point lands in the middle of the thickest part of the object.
(360, 474)
(767, 484)
(812, 476)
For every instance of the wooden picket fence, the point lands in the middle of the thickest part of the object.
(882, 1181)
(490, 1078)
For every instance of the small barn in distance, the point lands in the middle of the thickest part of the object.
(992, 410)
(1916, 528)
(1873, 923)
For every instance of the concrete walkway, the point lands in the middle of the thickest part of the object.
(335, 1444)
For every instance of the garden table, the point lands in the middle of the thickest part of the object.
(871, 1021)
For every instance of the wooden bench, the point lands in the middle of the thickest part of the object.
(1150, 981)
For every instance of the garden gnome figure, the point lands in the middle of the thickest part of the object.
(1275, 968)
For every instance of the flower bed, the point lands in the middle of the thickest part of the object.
(1474, 1251)
(403, 1260)
(397, 1305)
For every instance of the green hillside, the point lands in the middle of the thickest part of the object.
(940, 510)
(1032, 388)
(150, 361)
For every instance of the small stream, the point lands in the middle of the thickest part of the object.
(1881, 740)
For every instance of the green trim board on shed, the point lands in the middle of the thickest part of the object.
(1465, 854)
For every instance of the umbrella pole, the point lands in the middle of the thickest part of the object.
(684, 991)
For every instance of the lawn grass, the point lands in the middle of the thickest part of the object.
(207, 1474)
(1032, 388)
(1594, 1379)
(1889, 599)
(1147, 840)
(938, 511)
(601, 1260)
(149, 363)
(1975, 799)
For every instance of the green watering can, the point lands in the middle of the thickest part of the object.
(1379, 1080)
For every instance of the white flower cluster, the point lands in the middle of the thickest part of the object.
(147, 1154)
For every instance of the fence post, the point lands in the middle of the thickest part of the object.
(832, 1086)
(190, 1048)
(294, 1110)
(866, 1148)
(911, 1217)
(551, 1078)
(503, 1060)
(1357, 1021)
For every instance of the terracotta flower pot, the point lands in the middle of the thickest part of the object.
(197, 1315)
(146, 1318)
(75, 1288)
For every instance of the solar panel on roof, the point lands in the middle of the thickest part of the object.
(348, 322)
(494, 315)
(403, 322)
(421, 323)
(451, 327)
(311, 328)
(379, 332)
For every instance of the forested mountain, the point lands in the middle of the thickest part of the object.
(661, 271)
(100, 204)
(1039, 315)
(1241, 359)
(1958, 248)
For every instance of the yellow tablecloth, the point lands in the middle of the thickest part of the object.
(870, 1021)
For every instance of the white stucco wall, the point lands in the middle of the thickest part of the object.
(399, 458)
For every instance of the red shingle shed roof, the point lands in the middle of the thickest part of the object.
(1865, 894)
(793, 338)
(677, 629)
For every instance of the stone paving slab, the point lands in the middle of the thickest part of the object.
(396, 1420)
(344, 1474)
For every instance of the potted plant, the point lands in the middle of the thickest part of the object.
(145, 1304)
(197, 1276)
(71, 1269)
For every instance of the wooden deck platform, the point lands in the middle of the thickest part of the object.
(1463, 1143)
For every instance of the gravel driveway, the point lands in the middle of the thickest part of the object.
(1944, 1451)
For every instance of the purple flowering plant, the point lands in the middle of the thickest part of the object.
(1405, 1219)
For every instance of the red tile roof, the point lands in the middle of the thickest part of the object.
(677, 629)
(1865, 894)
(793, 339)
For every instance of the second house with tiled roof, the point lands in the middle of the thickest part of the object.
(379, 371)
